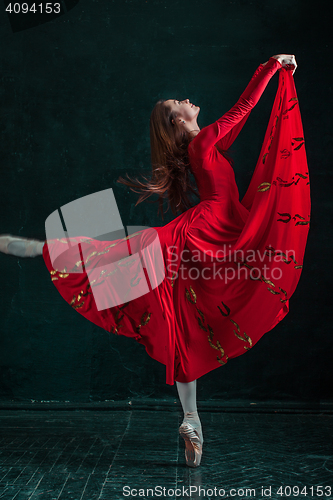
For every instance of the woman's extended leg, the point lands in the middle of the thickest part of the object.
(190, 429)
(20, 247)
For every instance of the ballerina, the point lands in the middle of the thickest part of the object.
(189, 342)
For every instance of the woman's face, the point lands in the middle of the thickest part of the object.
(184, 110)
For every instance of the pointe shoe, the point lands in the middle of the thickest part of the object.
(193, 444)
(20, 247)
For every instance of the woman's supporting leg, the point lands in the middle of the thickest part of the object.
(190, 429)
(20, 247)
(187, 392)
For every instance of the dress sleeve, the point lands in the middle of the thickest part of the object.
(225, 130)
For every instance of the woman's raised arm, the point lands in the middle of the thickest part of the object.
(223, 127)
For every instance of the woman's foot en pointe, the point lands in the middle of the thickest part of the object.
(191, 432)
(20, 247)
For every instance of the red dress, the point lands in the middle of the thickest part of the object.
(219, 275)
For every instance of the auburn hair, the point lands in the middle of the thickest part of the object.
(170, 177)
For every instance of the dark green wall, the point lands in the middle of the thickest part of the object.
(76, 96)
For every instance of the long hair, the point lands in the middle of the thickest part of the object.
(170, 163)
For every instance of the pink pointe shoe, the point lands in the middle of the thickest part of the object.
(193, 443)
(20, 247)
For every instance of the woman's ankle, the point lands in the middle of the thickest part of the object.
(191, 414)
(192, 418)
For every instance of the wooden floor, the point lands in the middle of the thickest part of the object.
(88, 455)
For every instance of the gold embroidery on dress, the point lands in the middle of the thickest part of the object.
(284, 214)
(89, 256)
(95, 253)
(271, 136)
(299, 146)
(271, 251)
(107, 248)
(102, 274)
(73, 300)
(285, 294)
(288, 219)
(77, 264)
(268, 282)
(144, 320)
(292, 107)
(134, 278)
(193, 294)
(280, 102)
(120, 263)
(201, 320)
(61, 274)
(264, 186)
(78, 298)
(283, 183)
(115, 329)
(64, 240)
(217, 347)
(227, 309)
(192, 298)
(301, 222)
(238, 335)
(131, 236)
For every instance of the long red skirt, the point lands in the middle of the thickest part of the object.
(191, 300)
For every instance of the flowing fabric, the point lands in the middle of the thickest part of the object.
(207, 286)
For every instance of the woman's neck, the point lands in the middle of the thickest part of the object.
(193, 133)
